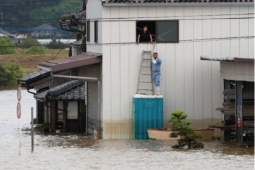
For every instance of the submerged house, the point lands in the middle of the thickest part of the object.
(184, 32)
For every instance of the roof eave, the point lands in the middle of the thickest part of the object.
(178, 4)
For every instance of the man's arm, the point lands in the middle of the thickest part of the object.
(138, 38)
(151, 38)
(159, 61)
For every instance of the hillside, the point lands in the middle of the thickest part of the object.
(45, 11)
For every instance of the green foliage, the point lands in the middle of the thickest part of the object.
(9, 73)
(181, 127)
(29, 42)
(56, 44)
(34, 50)
(37, 10)
(15, 69)
(8, 47)
(6, 77)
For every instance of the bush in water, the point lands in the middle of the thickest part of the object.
(181, 127)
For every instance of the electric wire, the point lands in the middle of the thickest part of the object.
(63, 46)
(128, 20)
(180, 41)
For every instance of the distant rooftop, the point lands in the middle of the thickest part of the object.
(44, 27)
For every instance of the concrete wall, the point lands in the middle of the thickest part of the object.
(187, 83)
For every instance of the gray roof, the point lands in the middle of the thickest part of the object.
(172, 1)
(44, 27)
(6, 33)
(72, 90)
(32, 77)
(80, 60)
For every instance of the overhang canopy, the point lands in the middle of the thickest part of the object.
(237, 69)
(70, 91)
(72, 62)
(33, 77)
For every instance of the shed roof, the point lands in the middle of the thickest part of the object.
(230, 59)
(174, 1)
(72, 90)
(73, 62)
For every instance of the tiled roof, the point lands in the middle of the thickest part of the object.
(78, 17)
(173, 1)
(72, 90)
(32, 77)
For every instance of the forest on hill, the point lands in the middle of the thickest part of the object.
(18, 16)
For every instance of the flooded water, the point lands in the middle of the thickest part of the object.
(77, 152)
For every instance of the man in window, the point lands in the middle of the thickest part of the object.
(144, 35)
(156, 64)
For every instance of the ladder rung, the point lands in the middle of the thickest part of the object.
(145, 89)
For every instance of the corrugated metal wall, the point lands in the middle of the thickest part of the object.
(92, 107)
(187, 83)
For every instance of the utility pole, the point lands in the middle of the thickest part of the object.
(239, 112)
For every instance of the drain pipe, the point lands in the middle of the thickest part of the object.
(88, 79)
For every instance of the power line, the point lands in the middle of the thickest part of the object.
(180, 41)
(26, 3)
(137, 18)
(63, 46)
(172, 16)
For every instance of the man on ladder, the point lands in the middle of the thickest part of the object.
(155, 65)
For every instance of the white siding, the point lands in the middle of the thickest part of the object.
(187, 82)
(94, 11)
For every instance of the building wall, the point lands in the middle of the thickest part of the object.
(93, 11)
(187, 83)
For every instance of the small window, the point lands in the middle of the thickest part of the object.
(161, 31)
(96, 31)
(88, 31)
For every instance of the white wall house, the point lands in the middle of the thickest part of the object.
(187, 83)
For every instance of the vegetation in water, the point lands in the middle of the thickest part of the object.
(7, 47)
(9, 73)
(181, 128)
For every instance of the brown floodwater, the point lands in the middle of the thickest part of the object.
(71, 152)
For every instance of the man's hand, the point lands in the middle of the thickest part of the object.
(152, 42)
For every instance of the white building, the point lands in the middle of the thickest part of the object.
(203, 28)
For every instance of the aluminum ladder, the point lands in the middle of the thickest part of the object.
(145, 83)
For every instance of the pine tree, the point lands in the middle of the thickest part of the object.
(181, 127)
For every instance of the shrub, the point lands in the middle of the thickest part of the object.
(56, 44)
(8, 47)
(15, 69)
(6, 77)
(181, 127)
(29, 42)
(34, 50)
